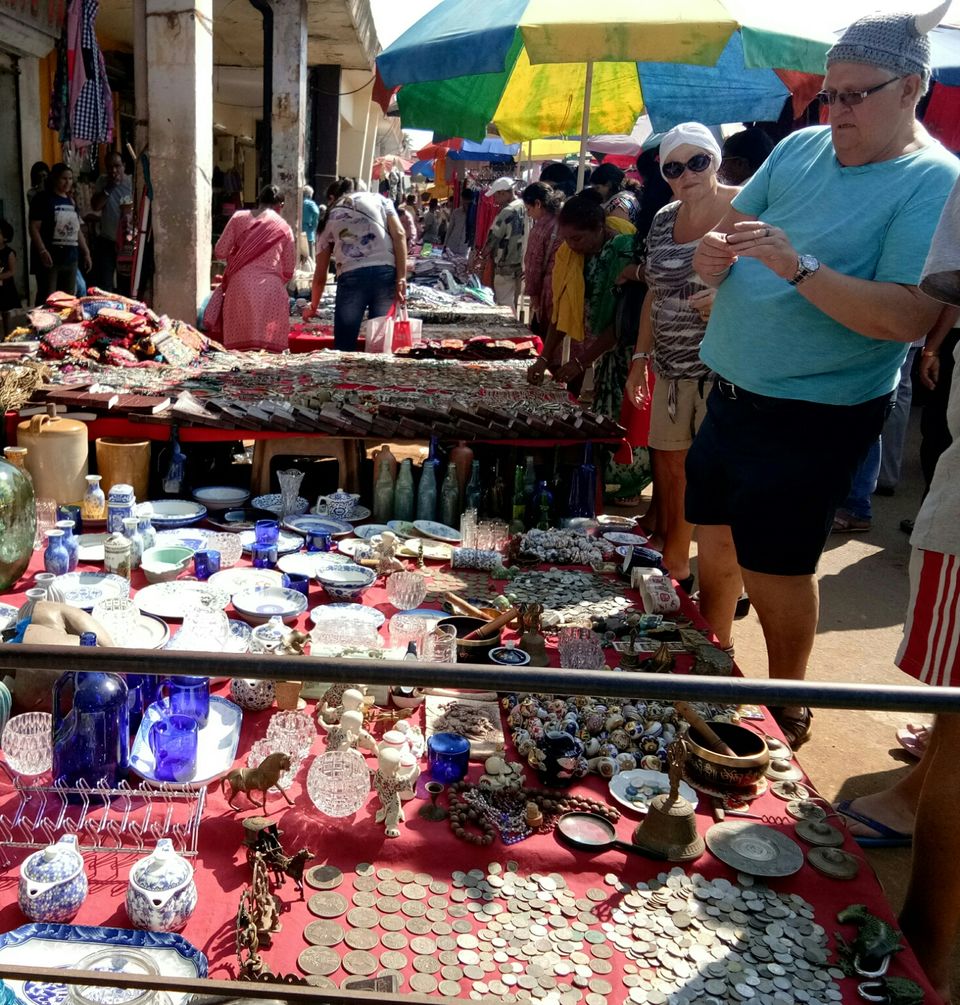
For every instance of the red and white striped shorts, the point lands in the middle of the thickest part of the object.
(930, 650)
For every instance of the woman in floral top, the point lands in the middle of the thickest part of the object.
(621, 195)
(542, 204)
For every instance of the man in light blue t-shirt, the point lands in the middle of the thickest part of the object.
(817, 265)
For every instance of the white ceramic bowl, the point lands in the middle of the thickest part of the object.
(221, 497)
(347, 583)
(259, 606)
(164, 563)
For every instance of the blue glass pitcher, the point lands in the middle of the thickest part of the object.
(91, 741)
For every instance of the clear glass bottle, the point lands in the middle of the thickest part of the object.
(450, 497)
(474, 492)
(403, 496)
(427, 492)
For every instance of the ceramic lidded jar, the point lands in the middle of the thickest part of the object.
(161, 893)
(53, 883)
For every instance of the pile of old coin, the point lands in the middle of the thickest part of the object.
(676, 939)
(568, 598)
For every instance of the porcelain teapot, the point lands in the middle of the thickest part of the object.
(53, 883)
(339, 504)
(161, 893)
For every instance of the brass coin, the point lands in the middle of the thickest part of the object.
(449, 989)
(323, 933)
(319, 981)
(360, 962)
(318, 960)
(363, 917)
(323, 877)
(361, 938)
(394, 940)
(423, 983)
(425, 964)
(393, 960)
(327, 905)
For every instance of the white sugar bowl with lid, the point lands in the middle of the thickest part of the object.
(161, 893)
(53, 883)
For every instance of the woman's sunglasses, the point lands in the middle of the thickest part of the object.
(698, 164)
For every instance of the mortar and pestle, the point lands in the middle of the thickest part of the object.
(476, 637)
(722, 755)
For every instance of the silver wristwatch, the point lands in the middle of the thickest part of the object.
(806, 266)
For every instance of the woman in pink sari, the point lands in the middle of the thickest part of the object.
(251, 309)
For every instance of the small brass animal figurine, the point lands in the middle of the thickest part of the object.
(260, 779)
(289, 865)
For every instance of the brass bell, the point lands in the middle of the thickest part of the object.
(670, 827)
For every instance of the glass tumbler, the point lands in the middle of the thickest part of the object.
(189, 696)
(28, 743)
(338, 782)
(406, 590)
(121, 618)
(441, 645)
(46, 520)
(205, 564)
(204, 629)
(295, 728)
(173, 742)
(407, 628)
(268, 532)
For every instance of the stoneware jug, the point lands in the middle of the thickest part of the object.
(56, 456)
(161, 893)
(53, 883)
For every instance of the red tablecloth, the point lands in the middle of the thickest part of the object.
(222, 872)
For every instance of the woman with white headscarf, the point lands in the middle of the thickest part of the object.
(673, 321)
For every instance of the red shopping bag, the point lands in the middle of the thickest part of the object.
(402, 331)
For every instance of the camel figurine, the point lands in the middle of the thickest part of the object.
(260, 779)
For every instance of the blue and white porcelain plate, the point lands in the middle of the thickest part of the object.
(355, 612)
(173, 600)
(274, 503)
(259, 606)
(245, 580)
(176, 513)
(404, 528)
(286, 544)
(437, 531)
(86, 589)
(216, 743)
(308, 563)
(626, 540)
(318, 525)
(358, 513)
(370, 530)
(194, 538)
(48, 945)
(354, 547)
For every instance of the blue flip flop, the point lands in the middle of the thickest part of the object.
(887, 837)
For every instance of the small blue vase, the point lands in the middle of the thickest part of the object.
(70, 543)
(56, 558)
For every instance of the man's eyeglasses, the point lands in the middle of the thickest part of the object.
(850, 98)
(698, 163)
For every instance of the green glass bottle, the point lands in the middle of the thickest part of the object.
(18, 523)
(518, 512)
(450, 497)
(403, 495)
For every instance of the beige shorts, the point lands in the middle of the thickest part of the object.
(677, 433)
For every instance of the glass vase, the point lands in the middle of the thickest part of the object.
(290, 481)
(17, 523)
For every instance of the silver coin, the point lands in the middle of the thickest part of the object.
(596, 895)
(393, 960)
(413, 908)
(327, 905)
(361, 938)
(359, 962)
(388, 905)
(467, 941)
(318, 960)
(363, 899)
(385, 873)
(423, 946)
(448, 958)
(417, 926)
(404, 876)
(323, 877)
(323, 933)
(423, 983)
(451, 972)
(425, 964)
(363, 869)
(389, 888)
(322, 982)
(468, 957)
(449, 989)
(391, 922)
(414, 891)
(365, 883)
(363, 917)
(423, 878)
(394, 940)
(446, 943)
(439, 887)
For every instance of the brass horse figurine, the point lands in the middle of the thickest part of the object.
(260, 779)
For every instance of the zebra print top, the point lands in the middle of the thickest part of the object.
(678, 329)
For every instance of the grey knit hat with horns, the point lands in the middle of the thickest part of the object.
(895, 42)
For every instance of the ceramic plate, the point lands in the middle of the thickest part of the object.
(354, 611)
(436, 531)
(402, 527)
(216, 743)
(221, 497)
(632, 540)
(359, 513)
(240, 633)
(91, 547)
(286, 544)
(86, 589)
(754, 848)
(318, 524)
(233, 581)
(193, 538)
(172, 600)
(306, 563)
(434, 550)
(274, 503)
(370, 530)
(176, 513)
(37, 945)
(609, 520)
(150, 633)
(428, 613)
(354, 547)
(243, 518)
(8, 616)
(259, 606)
(659, 781)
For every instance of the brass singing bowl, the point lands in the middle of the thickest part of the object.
(721, 771)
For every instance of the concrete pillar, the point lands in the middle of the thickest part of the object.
(289, 103)
(180, 103)
(324, 141)
(370, 145)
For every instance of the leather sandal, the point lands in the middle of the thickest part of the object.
(796, 728)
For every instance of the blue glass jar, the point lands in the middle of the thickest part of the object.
(56, 558)
(71, 543)
(91, 741)
(448, 757)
